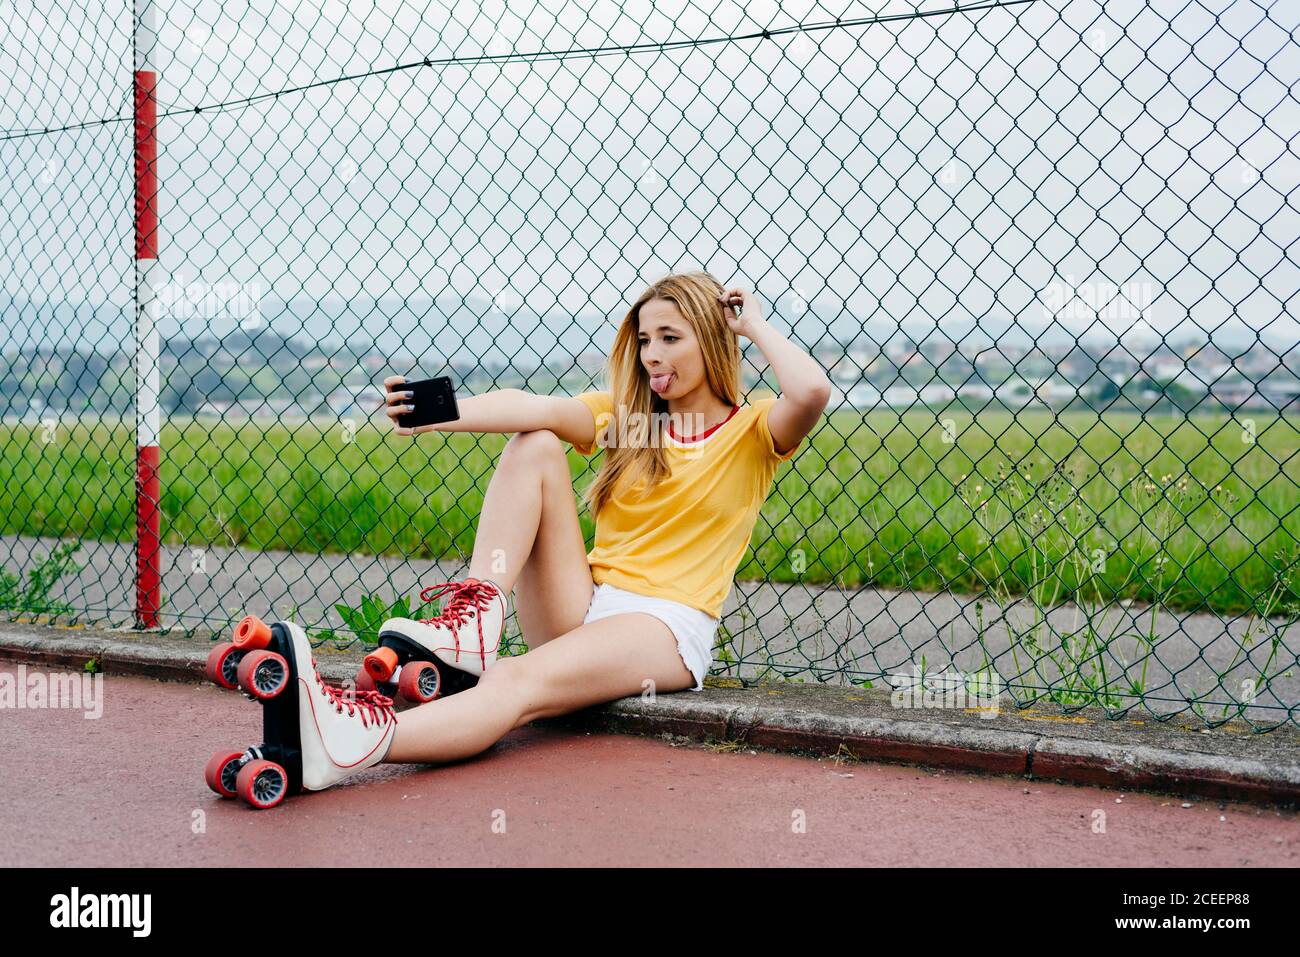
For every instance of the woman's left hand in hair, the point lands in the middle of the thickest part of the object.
(751, 310)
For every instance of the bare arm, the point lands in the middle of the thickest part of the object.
(805, 387)
(502, 410)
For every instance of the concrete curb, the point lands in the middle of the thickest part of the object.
(1089, 748)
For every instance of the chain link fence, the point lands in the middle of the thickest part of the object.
(1044, 248)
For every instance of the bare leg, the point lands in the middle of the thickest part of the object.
(460, 725)
(529, 538)
(512, 511)
(600, 661)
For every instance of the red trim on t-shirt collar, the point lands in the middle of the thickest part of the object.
(707, 432)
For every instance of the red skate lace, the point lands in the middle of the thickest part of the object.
(379, 707)
(467, 598)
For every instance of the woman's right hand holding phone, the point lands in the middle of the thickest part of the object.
(398, 404)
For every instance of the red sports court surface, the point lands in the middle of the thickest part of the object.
(127, 790)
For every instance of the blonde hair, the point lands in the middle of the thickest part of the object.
(696, 296)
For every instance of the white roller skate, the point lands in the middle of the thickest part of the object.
(465, 636)
(314, 734)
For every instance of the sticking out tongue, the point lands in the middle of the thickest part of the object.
(660, 382)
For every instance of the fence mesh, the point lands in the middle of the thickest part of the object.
(1044, 249)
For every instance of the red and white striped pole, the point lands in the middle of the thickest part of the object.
(147, 411)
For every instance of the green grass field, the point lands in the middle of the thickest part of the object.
(875, 499)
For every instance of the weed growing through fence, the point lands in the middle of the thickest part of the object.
(1055, 550)
(364, 620)
(35, 596)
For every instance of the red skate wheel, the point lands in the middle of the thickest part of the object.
(366, 683)
(419, 682)
(223, 664)
(381, 663)
(252, 633)
(221, 772)
(263, 784)
(263, 674)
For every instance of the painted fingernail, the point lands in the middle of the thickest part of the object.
(408, 395)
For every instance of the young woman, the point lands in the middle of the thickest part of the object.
(685, 472)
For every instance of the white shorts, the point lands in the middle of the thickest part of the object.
(693, 629)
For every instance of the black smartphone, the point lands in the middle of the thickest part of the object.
(434, 401)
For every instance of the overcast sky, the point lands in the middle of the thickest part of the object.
(918, 175)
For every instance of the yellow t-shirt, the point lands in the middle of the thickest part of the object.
(684, 541)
